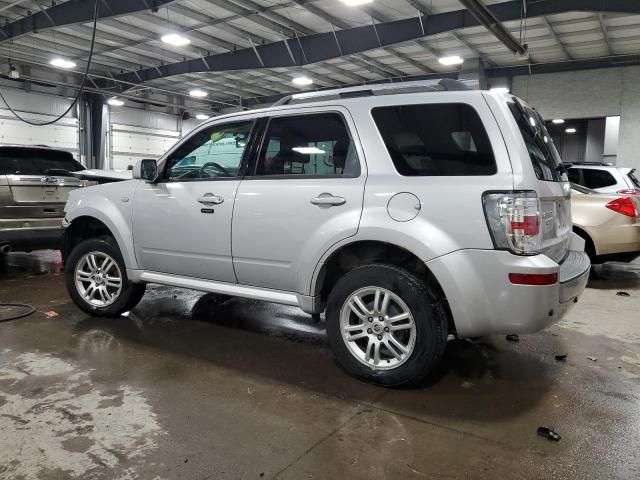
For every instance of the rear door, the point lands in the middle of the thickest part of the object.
(305, 195)
(38, 182)
(552, 182)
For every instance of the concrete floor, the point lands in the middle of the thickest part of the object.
(185, 389)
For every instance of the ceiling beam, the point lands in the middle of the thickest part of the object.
(605, 32)
(74, 12)
(313, 48)
(556, 37)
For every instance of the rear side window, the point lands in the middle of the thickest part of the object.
(544, 156)
(308, 145)
(27, 161)
(597, 178)
(444, 139)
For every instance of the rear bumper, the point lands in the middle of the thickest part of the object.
(31, 234)
(484, 302)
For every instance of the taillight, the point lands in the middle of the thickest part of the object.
(629, 191)
(623, 205)
(514, 220)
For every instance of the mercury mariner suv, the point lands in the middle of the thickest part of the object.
(406, 213)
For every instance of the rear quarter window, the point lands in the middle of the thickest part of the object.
(594, 178)
(443, 139)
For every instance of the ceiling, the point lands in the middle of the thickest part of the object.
(131, 43)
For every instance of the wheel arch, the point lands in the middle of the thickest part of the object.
(362, 252)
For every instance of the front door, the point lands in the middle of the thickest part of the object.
(305, 195)
(182, 223)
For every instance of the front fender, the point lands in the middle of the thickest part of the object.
(111, 204)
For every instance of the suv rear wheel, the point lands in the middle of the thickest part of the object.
(96, 279)
(385, 325)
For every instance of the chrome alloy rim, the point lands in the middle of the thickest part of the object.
(98, 279)
(378, 328)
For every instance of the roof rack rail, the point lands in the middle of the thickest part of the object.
(438, 85)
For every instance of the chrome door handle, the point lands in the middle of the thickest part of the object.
(211, 199)
(328, 200)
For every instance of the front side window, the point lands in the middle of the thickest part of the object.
(308, 145)
(443, 139)
(214, 152)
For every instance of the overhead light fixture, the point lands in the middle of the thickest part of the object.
(309, 150)
(502, 90)
(302, 81)
(451, 60)
(198, 93)
(202, 116)
(175, 39)
(571, 130)
(115, 102)
(355, 3)
(558, 121)
(62, 63)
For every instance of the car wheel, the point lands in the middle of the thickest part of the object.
(386, 326)
(96, 279)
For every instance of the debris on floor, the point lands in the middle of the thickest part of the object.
(593, 359)
(561, 358)
(623, 294)
(52, 314)
(513, 337)
(549, 433)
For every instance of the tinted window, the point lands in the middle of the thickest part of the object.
(435, 140)
(544, 156)
(214, 152)
(574, 176)
(28, 161)
(311, 145)
(597, 178)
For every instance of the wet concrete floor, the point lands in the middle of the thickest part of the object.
(186, 388)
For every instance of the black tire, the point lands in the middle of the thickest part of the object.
(426, 308)
(130, 293)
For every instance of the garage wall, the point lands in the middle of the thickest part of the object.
(588, 94)
(38, 107)
(137, 134)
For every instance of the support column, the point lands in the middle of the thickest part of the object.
(94, 129)
(473, 69)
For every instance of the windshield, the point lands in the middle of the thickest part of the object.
(542, 151)
(33, 161)
(635, 179)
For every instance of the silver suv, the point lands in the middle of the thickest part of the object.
(606, 178)
(34, 186)
(405, 213)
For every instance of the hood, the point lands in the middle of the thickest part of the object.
(104, 176)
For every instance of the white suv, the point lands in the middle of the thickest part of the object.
(404, 212)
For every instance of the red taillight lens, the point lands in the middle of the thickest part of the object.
(533, 278)
(529, 225)
(623, 205)
(629, 191)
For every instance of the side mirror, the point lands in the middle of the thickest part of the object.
(147, 170)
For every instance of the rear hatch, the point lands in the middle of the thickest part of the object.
(552, 183)
(36, 182)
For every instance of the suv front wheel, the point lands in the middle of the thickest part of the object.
(96, 279)
(385, 325)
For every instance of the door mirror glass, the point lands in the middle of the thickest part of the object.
(146, 169)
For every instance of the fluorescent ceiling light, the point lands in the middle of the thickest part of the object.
(175, 39)
(309, 150)
(452, 60)
(202, 116)
(302, 81)
(558, 121)
(198, 93)
(62, 63)
(115, 102)
(355, 3)
(571, 130)
(500, 90)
